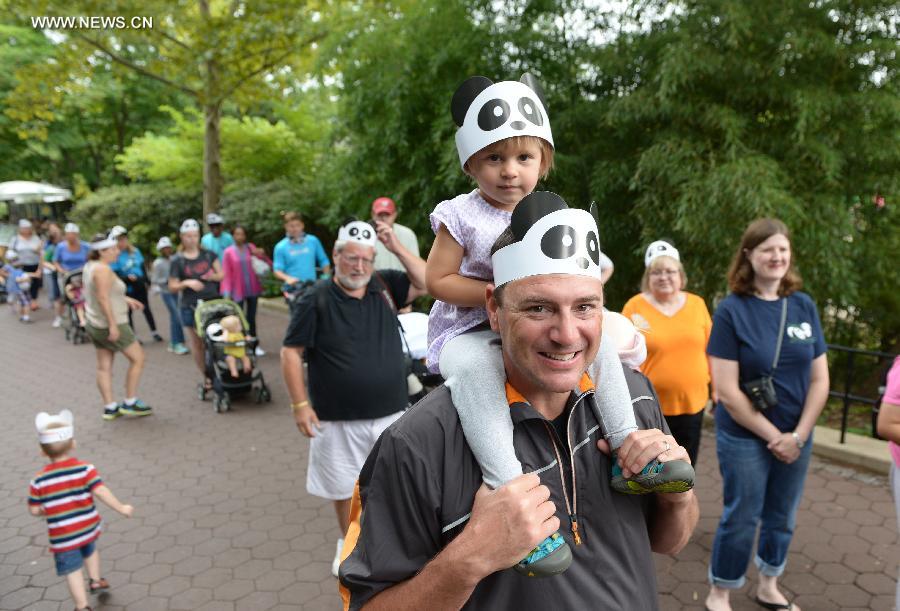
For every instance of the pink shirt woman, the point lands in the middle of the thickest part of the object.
(239, 281)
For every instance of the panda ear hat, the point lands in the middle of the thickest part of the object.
(488, 112)
(359, 232)
(551, 238)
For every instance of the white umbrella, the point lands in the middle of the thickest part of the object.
(23, 192)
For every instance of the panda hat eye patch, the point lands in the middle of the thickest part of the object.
(552, 239)
(488, 112)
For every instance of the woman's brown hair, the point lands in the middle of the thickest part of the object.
(740, 273)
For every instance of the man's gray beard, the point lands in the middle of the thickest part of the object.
(350, 284)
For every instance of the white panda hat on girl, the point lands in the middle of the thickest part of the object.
(487, 112)
(551, 238)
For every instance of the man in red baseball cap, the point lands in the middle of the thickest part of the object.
(384, 215)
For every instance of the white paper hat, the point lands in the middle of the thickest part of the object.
(11, 255)
(64, 430)
(164, 242)
(24, 223)
(214, 219)
(189, 225)
(660, 248)
(357, 231)
(117, 231)
(487, 112)
(104, 244)
(71, 228)
(552, 239)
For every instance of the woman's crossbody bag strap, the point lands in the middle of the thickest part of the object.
(780, 333)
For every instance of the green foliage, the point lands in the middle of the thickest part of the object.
(260, 206)
(252, 149)
(149, 211)
(682, 120)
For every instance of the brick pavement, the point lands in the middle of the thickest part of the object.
(223, 520)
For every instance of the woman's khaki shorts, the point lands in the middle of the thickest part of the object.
(98, 336)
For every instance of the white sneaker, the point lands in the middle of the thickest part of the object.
(57, 321)
(336, 564)
(260, 351)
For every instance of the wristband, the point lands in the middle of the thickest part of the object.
(800, 442)
(295, 407)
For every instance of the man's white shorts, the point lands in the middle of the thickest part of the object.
(337, 454)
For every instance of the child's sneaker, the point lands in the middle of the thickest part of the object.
(672, 476)
(138, 408)
(111, 413)
(551, 557)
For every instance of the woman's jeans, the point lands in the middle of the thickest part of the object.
(758, 490)
(176, 333)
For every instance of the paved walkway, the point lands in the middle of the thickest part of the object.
(223, 520)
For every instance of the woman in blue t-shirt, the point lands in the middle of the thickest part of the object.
(130, 268)
(763, 453)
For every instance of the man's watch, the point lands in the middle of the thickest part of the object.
(800, 442)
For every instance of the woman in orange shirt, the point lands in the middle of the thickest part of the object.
(676, 325)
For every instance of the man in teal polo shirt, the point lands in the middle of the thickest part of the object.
(217, 239)
(297, 256)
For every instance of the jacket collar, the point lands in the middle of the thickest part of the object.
(521, 410)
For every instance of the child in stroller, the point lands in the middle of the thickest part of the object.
(75, 321)
(235, 345)
(223, 350)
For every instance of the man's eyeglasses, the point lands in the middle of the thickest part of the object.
(355, 260)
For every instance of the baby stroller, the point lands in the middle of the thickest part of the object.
(206, 320)
(72, 286)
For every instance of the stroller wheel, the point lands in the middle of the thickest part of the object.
(265, 394)
(222, 403)
(201, 392)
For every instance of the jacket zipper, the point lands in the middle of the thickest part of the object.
(571, 509)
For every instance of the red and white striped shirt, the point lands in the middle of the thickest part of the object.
(65, 491)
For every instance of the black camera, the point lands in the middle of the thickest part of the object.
(761, 393)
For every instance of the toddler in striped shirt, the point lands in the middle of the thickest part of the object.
(63, 492)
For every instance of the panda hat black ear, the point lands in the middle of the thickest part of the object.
(534, 85)
(465, 95)
(533, 208)
(595, 212)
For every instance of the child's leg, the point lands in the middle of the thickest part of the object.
(79, 310)
(248, 366)
(92, 564)
(614, 409)
(75, 581)
(473, 368)
(232, 365)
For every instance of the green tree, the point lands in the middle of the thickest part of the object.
(685, 120)
(210, 50)
(75, 127)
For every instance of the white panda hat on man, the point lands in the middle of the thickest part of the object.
(487, 112)
(551, 239)
(357, 231)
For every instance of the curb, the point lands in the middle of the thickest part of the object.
(274, 303)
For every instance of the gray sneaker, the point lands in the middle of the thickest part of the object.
(672, 476)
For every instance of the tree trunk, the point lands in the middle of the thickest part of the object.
(212, 106)
(212, 171)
